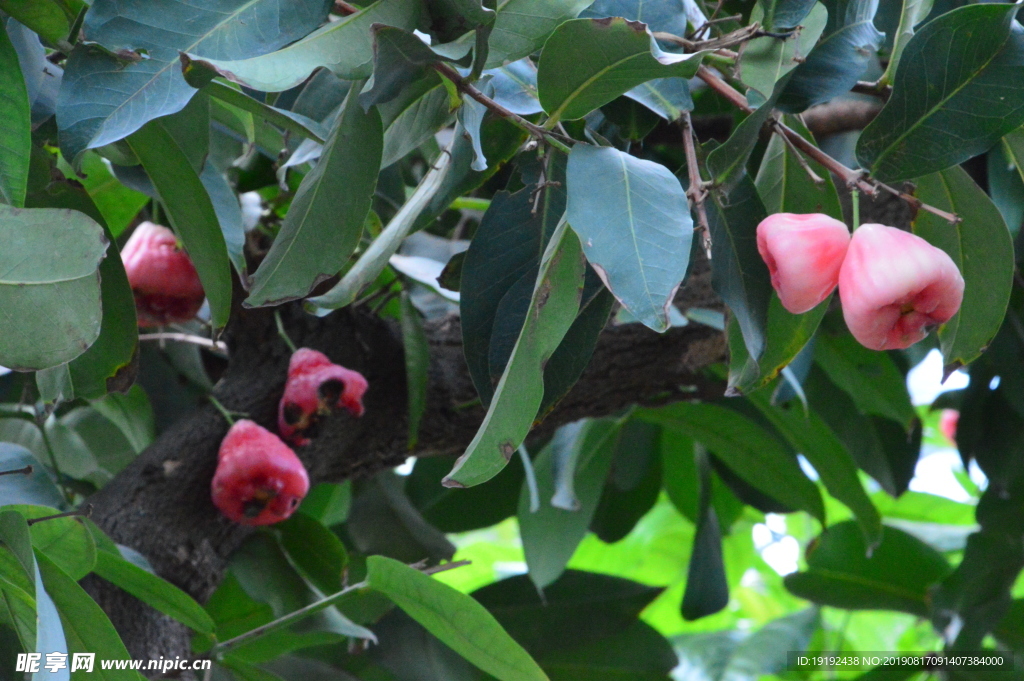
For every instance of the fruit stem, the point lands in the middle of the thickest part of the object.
(282, 333)
(223, 411)
(41, 425)
(855, 203)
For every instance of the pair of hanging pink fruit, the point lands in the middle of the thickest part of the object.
(893, 285)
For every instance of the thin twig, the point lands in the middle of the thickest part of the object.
(447, 566)
(815, 178)
(706, 26)
(875, 89)
(467, 88)
(185, 338)
(84, 512)
(27, 470)
(282, 332)
(696, 192)
(40, 421)
(851, 178)
(737, 37)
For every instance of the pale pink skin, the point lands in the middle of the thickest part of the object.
(949, 419)
(302, 403)
(895, 287)
(804, 254)
(163, 279)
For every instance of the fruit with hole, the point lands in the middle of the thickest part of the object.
(259, 480)
(314, 387)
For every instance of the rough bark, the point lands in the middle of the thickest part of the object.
(160, 505)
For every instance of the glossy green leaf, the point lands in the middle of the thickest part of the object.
(982, 249)
(727, 162)
(581, 452)
(839, 60)
(49, 285)
(110, 362)
(399, 58)
(634, 222)
(738, 273)
(345, 47)
(748, 449)
(522, 26)
(66, 541)
(455, 618)
(417, 364)
(154, 591)
(16, 133)
(784, 14)
(869, 377)
(667, 97)
(671, 16)
(518, 396)
(325, 220)
(898, 575)
(18, 607)
(589, 62)
(955, 94)
(707, 590)
(86, 626)
(166, 160)
(634, 484)
(767, 60)
(328, 502)
(107, 95)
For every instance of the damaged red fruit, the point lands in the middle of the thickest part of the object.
(895, 287)
(259, 480)
(315, 386)
(162, 276)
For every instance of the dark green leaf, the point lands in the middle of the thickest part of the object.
(913, 13)
(455, 618)
(634, 222)
(50, 19)
(419, 111)
(749, 450)
(49, 293)
(637, 652)
(954, 95)
(290, 122)
(110, 363)
(835, 65)
(399, 58)
(589, 62)
(870, 378)
(768, 59)
(317, 553)
(86, 626)
(325, 220)
(190, 210)
(16, 132)
(571, 472)
(880, 446)
(727, 163)
(345, 47)
(36, 488)
(328, 502)
(707, 590)
(462, 510)
(154, 591)
(117, 203)
(130, 72)
(897, 575)
(522, 26)
(738, 274)
(520, 392)
(577, 608)
(66, 541)
(417, 363)
(982, 249)
(783, 14)
(634, 484)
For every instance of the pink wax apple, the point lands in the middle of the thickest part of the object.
(895, 287)
(803, 254)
